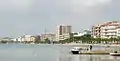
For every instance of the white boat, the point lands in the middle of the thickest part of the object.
(76, 50)
(115, 54)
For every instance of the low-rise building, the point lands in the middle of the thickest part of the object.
(27, 38)
(6, 39)
(19, 39)
(64, 36)
(82, 33)
(37, 37)
(13, 39)
(51, 37)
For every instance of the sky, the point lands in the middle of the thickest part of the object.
(19, 17)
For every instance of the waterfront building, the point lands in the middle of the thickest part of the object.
(27, 38)
(13, 39)
(118, 31)
(32, 38)
(37, 37)
(49, 36)
(106, 30)
(6, 39)
(85, 32)
(19, 39)
(63, 32)
(96, 31)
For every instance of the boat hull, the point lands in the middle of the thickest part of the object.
(115, 54)
(75, 52)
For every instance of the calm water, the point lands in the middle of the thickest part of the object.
(26, 52)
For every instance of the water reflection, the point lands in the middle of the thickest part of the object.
(67, 56)
(70, 57)
(79, 58)
(45, 53)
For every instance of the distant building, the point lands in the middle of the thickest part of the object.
(6, 39)
(37, 37)
(88, 32)
(49, 36)
(13, 39)
(96, 31)
(27, 38)
(63, 32)
(106, 30)
(118, 31)
(19, 39)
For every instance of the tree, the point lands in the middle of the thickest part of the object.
(97, 40)
(47, 41)
(3, 41)
(37, 41)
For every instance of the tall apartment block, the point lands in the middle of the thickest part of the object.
(63, 32)
(106, 30)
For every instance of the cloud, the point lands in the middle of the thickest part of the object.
(89, 3)
(82, 12)
(35, 15)
(84, 7)
(84, 4)
(16, 4)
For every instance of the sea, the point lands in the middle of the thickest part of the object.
(46, 52)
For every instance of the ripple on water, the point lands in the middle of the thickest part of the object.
(23, 52)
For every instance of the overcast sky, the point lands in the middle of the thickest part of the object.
(19, 17)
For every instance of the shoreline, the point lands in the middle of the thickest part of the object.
(88, 44)
(72, 44)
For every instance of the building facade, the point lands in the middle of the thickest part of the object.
(63, 32)
(118, 31)
(85, 32)
(6, 39)
(96, 31)
(106, 30)
(50, 37)
(26, 38)
(37, 37)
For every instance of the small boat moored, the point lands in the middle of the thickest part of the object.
(75, 50)
(115, 54)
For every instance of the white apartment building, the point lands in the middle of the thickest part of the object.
(63, 32)
(118, 31)
(106, 30)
